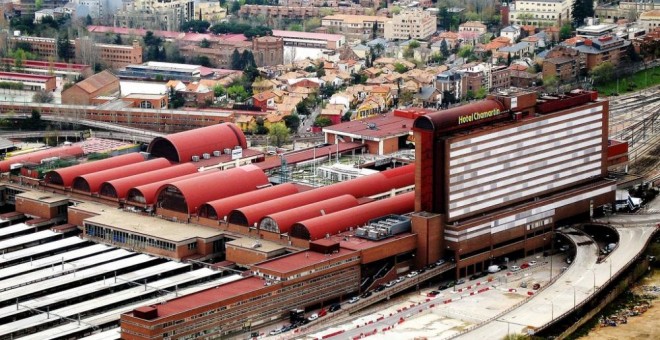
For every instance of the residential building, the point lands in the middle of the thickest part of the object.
(155, 14)
(29, 7)
(650, 19)
(519, 50)
(285, 12)
(627, 9)
(473, 26)
(95, 8)
(645, 45)
(83, 92)
(595, 31)
(562, 62)
(355, 27)
(512, 32)
(412, 23)
(540, 13)
(211, 11)
(428, 97)
(604, 49)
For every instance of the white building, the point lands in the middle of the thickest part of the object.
(540, 13)
(650, 20)
(512, 32)
(414, 23)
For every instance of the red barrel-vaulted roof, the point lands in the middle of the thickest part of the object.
(180, 147)
(282, 221)
(360, 187)
(64, 177)
(319, 227)
(91, 182)
(37, 156)
(145, 195)
(118, 188)
(218, 209)
(199, 190)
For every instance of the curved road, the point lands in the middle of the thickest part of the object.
(576, 285)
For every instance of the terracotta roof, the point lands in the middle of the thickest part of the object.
(97, 81)
(264, 95)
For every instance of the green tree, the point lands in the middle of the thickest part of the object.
(292, 122)
(565, 32)
(603, 72)
(302, 109)
(236, 62)
(322, 122)
(481, 93)
(42, 96)
(311, 24)
(198, 26)
(247, 59)
(235, 7)
(296, 27)
(444, 49)
(19, 57)
(260, 129)
(64, 47)
(88, 20)
(205, 43)
(117, 40)
(35, 121)
(219, 91)
(279, 134)
(414, 44)
(38, 4)
(581, 10)
(320, 72)
(238, 93)
(400, 68)
(550, 82)
(469, 95)
(465, 51)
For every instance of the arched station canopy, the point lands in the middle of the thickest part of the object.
(187, 195)
(91, 183)
(282, 221)
(118, 188)
(330, 224)
(145, 195)
(360, 187)
(65, 176)
(180, 147)
(219, 209)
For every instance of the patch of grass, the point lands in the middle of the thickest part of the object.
(638, 81)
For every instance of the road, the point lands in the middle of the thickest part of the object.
(575, 286)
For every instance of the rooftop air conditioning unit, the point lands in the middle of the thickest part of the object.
(216, 153)
(195, 158)
(227, 151)
(206, 156)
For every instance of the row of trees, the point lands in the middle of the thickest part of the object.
(237, 28)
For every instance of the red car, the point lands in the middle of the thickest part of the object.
(322, 312)
(432, 293)
(524, 265)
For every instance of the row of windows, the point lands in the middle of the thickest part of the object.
(122, 237)
(234, 316)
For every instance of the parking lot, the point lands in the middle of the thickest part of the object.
(453, 309)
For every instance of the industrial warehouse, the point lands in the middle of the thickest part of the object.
(490, 179)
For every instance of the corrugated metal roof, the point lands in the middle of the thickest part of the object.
(118, 188)
(218, 209)
(91, 182)
(180, 147)
(37, 156)
(65, 176)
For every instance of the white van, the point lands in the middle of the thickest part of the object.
(493, 269)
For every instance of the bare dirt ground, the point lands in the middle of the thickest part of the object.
(644, 326)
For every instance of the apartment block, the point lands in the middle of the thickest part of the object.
(155, 14)
(355, 27)
(210, 11)
(411, 24)
(540, 13)
(294, 12)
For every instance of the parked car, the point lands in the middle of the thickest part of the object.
(354, 299)
(379, 288)
(503, 267)
(532, 263)
(515, 268)
(439, 262)
(432, 293)
(322, 312)
(412, 274)
(366, 294)
(335, 307)
(536, 286)
(431, 266)
(313, 317)
(446, 285)
(524, 265)
(421, 270)
(275, 331)
(400, 279)
(460, 282)
(478, 275)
